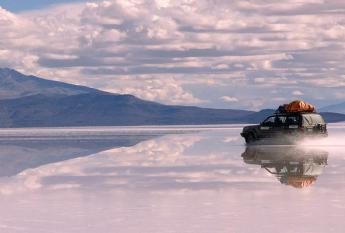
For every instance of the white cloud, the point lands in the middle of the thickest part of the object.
(297, 93)
(167, 90)
(229, 99)
(271, 45)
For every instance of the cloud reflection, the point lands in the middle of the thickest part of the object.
(173, 162)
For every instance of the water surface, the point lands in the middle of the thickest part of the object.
(168, 179)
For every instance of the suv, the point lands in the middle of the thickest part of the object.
(287, 126)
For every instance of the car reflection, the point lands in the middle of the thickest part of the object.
(292, 165)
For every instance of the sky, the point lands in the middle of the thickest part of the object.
(213, 53)
(19, 5)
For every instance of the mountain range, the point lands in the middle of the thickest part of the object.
(29, 101)
(337, 108)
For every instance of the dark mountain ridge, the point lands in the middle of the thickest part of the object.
(96, 109)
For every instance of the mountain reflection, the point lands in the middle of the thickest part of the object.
(19, 154)
(292, 165)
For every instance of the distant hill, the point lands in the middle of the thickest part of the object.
(28, 101)
(331, 117)
(97, 109)
(15, 85)
(337, 108)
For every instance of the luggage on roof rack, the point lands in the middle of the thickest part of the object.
(299, 106)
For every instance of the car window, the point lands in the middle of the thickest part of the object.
(312, 119)
(279, 120)
(269, 121)
(292, 120)
(317, 119)
(275, 121)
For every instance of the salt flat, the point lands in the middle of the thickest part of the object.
(168, 179)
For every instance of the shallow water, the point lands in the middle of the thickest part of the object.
(168, 179)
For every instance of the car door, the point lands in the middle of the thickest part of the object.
(293, 124)
(273, 126)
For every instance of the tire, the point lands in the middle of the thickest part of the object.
(250, 138)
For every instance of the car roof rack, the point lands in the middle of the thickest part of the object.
(291, 113)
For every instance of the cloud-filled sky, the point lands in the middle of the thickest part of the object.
(215, 53)
(18, 6)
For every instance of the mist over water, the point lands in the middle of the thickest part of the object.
(336, 138)
(168, 180)
(330, 141)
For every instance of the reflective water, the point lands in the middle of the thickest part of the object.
(168, 179)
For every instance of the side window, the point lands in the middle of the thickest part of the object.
(292, 120)
(280, 120)
(269, 121)
(275, 121)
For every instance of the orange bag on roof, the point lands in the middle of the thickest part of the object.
(299, 106)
